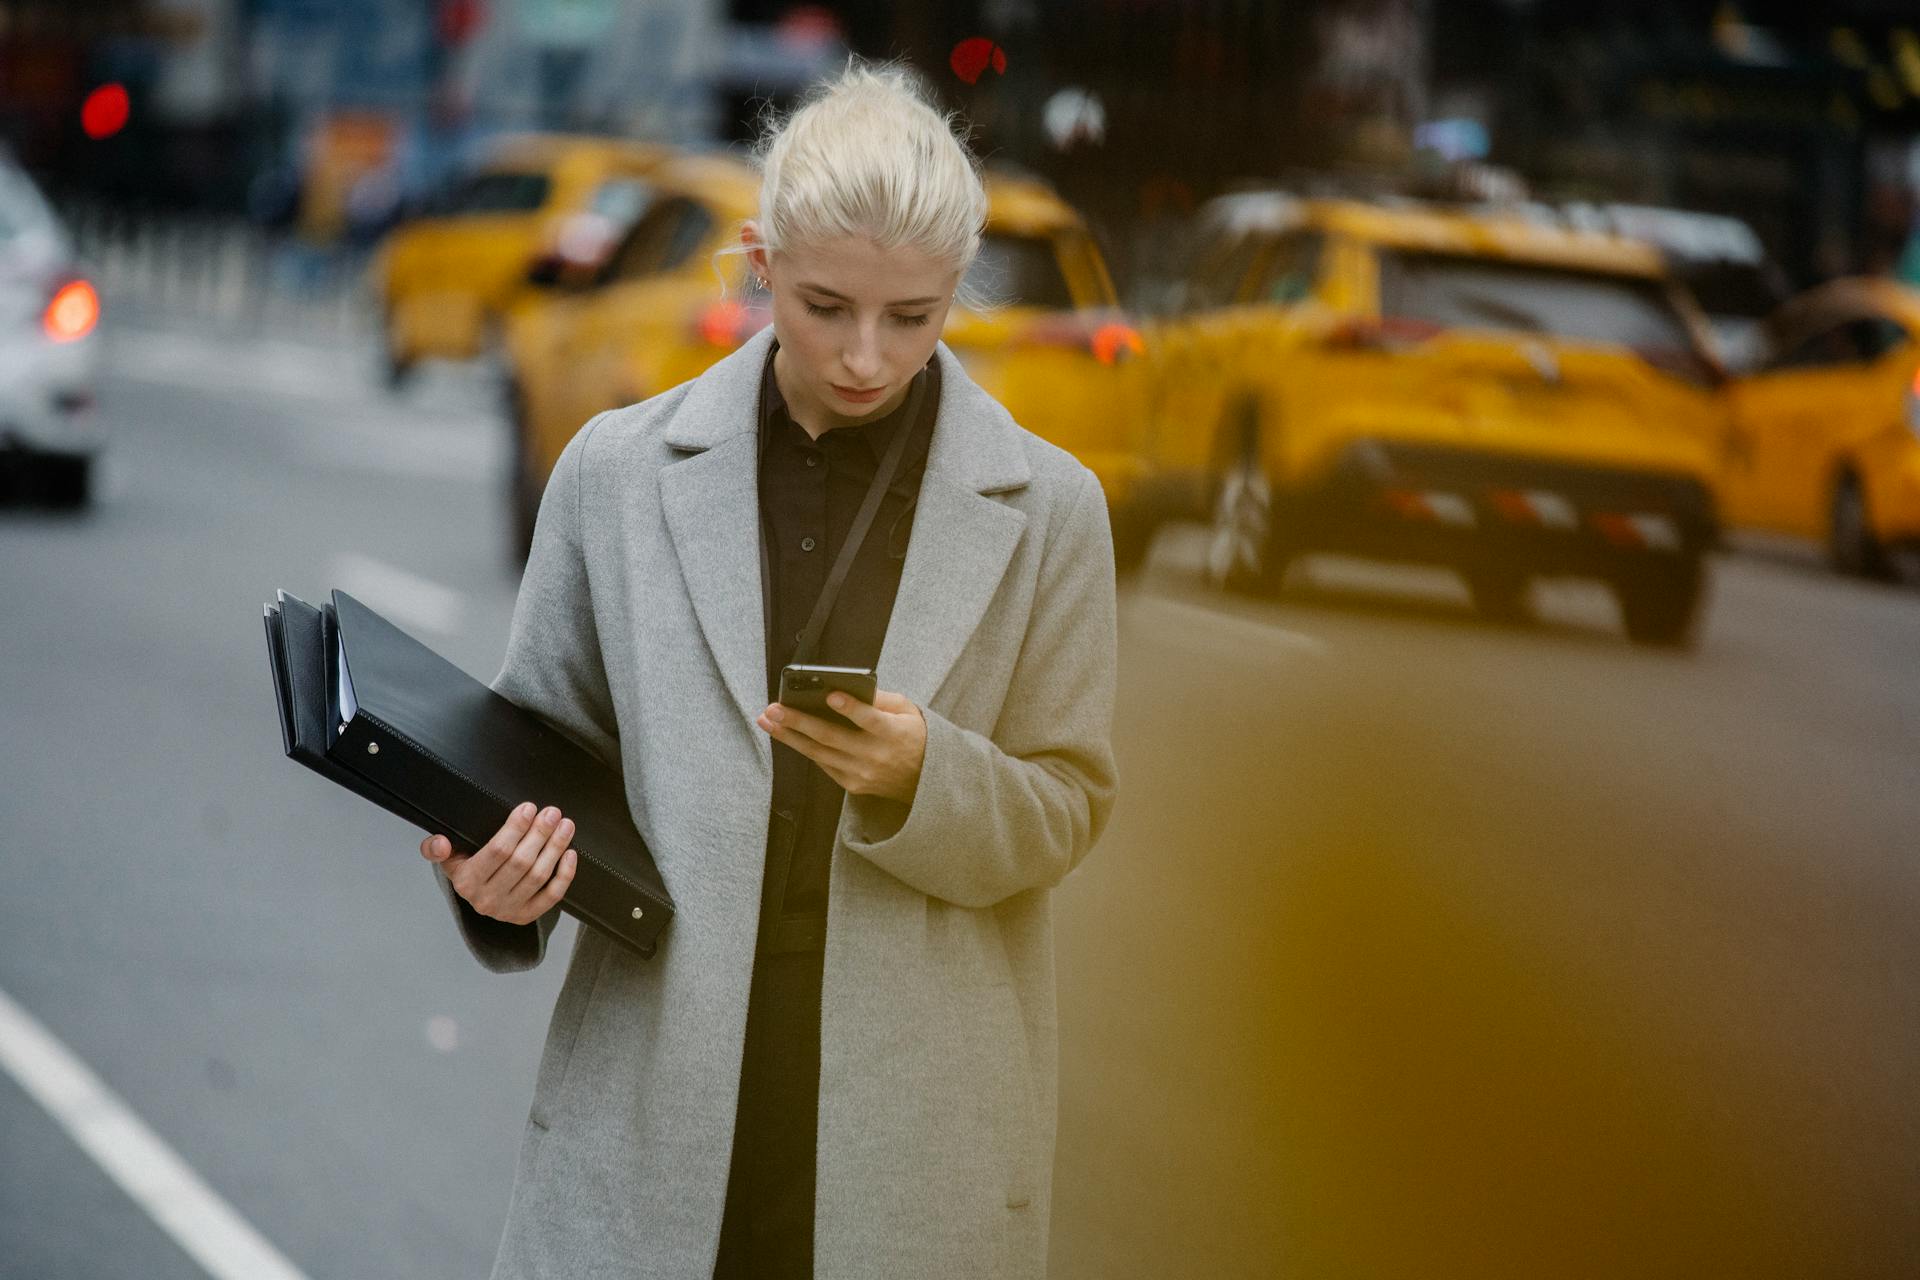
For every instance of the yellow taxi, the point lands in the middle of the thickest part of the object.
(1826, 442)
(1048, 341)
(657, 311)
(1485, 390)
(445, 277)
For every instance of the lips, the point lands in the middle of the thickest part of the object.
(851, 393)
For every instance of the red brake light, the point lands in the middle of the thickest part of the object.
(72, 312)
(728, 323)
(1388, 333)
(1109, 341)
(1116, 341)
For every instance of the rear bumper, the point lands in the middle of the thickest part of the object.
(46, 394)
(1424, 502)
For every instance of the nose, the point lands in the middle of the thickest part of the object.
(862, 355)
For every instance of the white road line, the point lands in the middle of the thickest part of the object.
(406, 598)
(159, 1181)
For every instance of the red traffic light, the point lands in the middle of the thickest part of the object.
(105, 111)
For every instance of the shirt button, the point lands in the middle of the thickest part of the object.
(806, 544)
(813, 459)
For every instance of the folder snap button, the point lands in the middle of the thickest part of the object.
(373, 748)
(637, 913)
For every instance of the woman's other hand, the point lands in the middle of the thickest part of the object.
(881, 756)
(520, 874)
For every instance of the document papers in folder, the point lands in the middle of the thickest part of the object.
(345, 680)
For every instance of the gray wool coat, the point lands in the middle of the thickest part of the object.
(638, 632)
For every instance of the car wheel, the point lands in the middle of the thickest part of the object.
(1660, 603)
(1133, 533)
(1499, 594)
(1243, 553)
(394, 368)
(70, 481)
(1851, 546)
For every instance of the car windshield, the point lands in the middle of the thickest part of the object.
(499, 192)
(1019, 271)
(1452, 291)
(30, 234)
(22, 210)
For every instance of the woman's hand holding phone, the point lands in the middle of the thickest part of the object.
(880, 756)
(517, 876)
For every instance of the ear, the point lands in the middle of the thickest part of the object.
(756, 249)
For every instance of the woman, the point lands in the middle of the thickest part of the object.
(842, 1060)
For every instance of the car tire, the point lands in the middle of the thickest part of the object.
(1851, 547)
(69, 481)
(394, 368)
(1660, 602)
(45, 478)
(1133, 533)
(1500, 595)
(1245, 555)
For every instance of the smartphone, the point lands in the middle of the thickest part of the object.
(804, 687)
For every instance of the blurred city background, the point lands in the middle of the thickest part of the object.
(1510, 415)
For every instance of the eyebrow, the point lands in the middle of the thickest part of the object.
(841, 297)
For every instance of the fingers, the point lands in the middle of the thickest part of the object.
(520, 873)
(822, 731)
(828, 757)
(896, 703)
(555, 888)
(539, 847)
(868, 718)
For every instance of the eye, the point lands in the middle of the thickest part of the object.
(911, 320)
(814, 309)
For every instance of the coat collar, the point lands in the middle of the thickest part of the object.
(962, 540)
(987, 457)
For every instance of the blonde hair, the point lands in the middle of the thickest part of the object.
(867, 154)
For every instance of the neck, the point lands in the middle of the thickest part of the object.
(814, 418)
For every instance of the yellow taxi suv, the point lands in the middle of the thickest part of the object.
(1826, 440)
(1049, 341)
(1485, 391)
(444, 278)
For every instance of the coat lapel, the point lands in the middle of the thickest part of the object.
(712, 507)
(963, 538)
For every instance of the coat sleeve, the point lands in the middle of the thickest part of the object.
(1000, 815)
(553, 668)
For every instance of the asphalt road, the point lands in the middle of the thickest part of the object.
(1415, 948)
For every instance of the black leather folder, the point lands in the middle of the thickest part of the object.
(371, 708)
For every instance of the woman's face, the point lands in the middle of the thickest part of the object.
(855, 323)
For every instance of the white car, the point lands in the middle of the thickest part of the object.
(49, 317)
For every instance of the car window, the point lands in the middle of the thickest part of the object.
(1219, 270)
(1019, 271)
(1288, 273)
(664, 238)
(497, 192)
(621, 200)
(1834, 342)
(1874, 336)
(1455, 291)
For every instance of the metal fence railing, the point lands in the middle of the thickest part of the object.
(220, 271)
